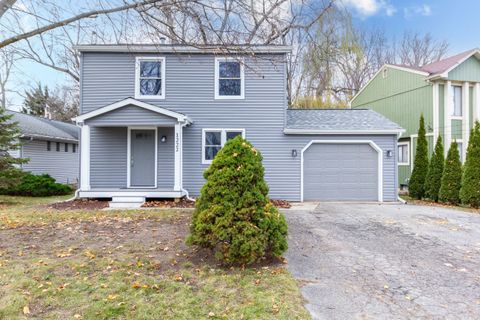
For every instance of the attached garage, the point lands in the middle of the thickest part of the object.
(345, 154)
(342, 170)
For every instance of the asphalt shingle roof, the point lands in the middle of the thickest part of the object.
(37, 127)
(338, 119)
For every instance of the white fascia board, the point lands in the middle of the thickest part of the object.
(182, 49)
(180, 117)
(333, 132)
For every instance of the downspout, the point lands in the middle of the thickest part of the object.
(181, 169)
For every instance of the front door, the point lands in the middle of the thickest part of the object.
(142, 158)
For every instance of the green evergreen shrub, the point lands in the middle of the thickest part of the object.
(452, 177)
(37, 186)
(435, 171)
(470, 191)
(233, 215)
(420, 165)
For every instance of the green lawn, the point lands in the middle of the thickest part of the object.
(125, 265)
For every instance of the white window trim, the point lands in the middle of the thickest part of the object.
(129, 155)
(137, 78)
(223, 139)
(242, 78)
(406, 143)
(463, 151)
(454, 116)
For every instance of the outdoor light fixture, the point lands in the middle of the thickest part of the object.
(389, 153)
(294, 153)
(163, 139)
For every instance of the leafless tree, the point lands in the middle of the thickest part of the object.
(7, 60)
(417, 50)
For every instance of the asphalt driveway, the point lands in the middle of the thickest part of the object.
(372, 261)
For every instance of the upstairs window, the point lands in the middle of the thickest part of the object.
(66, 147)
(214, 139)
(150, 78)
(57, 147)
(456, 96)
(49, 146)
(229, 78)
(74, 148)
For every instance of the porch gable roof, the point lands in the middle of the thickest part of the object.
(131, 101)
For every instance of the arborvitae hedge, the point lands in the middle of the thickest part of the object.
(452, 177)
(420, 165)
(470, 191)
(233, 215)
(435, 171)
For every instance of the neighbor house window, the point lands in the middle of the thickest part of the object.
(403, 153)
(150, 78)
(74, 148)
(214, 139)
(229, 78)
(58, 146)
(66, 147)
(49, 146)
(456, 96)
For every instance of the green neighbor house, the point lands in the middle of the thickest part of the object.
(447, 92)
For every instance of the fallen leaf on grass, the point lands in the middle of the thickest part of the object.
(26, 310)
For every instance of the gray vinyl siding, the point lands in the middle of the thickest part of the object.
(166, 158)
(110, 77)
(131, 115)
(62, 166)
(108, 158)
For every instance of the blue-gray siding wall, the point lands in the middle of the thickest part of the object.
(131, 115)
(108, 163)
(61, 165)
(109, 77)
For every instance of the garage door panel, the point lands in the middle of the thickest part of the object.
(340, 172)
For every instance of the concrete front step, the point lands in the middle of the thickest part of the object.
(126, 202)
(128, 199)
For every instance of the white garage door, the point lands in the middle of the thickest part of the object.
(340, 172)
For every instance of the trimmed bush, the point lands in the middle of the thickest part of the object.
(435, 171)
(233, 215)
(37, 186)
(420, 165)
(452, 177)
(470, 191)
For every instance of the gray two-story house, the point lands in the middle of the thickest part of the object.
(153, 117)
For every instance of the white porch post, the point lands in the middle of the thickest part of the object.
(466, 117)
(85, 158)
(436, 112)
(447, 113)
(178, 157)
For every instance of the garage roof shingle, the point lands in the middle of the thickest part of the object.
(339, 120)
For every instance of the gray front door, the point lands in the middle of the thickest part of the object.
(142, 158)
(341, 172)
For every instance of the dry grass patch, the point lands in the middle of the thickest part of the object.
(126, 265)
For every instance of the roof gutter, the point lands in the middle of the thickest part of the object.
(182, 49)
(39, 136)
(314, 131)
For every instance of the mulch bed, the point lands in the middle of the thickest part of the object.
(441, 205)
(183, 203)
(80, 204)
(281, 204)
(89, 204)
